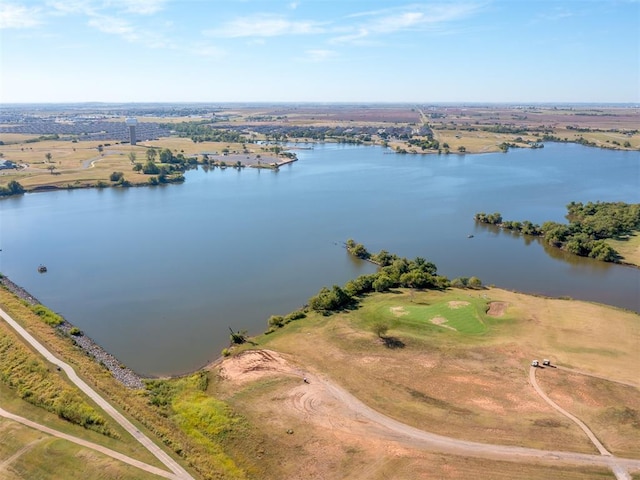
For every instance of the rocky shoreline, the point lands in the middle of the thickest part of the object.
(120, 372)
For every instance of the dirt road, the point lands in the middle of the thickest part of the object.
(619, 470)
(160, 454)
(324, 403)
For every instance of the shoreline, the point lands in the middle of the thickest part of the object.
(118, 370)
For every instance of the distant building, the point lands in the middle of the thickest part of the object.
(131, 123)
(6, 164)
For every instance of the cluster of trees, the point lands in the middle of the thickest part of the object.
(427, 143)
(589, 225)
(394, 272)
(12, 188)
(204, 132)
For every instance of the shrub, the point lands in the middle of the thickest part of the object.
(116, 176)
(47, 316)
(75, 331)
(276, 321)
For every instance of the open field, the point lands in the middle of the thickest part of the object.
(628, 248)
(469, 383)
(27, 453)
(82, 164)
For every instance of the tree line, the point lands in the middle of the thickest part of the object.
(589, 226)
(394, 272)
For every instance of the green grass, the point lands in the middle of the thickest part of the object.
(206, 421)
(465, 316)
(33, 381)
(42, 457)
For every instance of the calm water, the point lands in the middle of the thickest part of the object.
(157, 275)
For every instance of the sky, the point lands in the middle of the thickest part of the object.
(513, 51)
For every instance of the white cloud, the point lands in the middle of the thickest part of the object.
(294, 5)
(265, 25)
(141, 7)
(93, 7)
(115, 26)
(320, 55)
(430, 17)
(129, 32)
(18, 16)
(209, 51)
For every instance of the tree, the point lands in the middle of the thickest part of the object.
(137, 167)
(132, 157)
(51, 168)
(474, 282)
(116, 176)
(166, 156)
(382, 283)
(380, 329)
(150, 168)
(151, 154)
(48, 156)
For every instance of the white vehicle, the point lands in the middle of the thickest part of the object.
(535, 363)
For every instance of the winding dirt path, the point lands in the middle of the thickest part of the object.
(79, 441)
(619, 470)
(160, 454)
(322, 402)
(5, 464)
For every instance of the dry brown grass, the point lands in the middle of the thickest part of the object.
(82, 164)
(611, 410)
(472, 387)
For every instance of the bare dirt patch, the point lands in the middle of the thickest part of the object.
(497, 309)
(457, 304)
(398, 311)
(441, 322)
(255, 364)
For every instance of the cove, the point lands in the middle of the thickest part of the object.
(157, 275)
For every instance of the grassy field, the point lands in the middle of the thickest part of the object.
(29, 454)
(470, 382)
(82, 164)
(629, 248)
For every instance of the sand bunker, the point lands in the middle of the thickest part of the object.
(441, 322)
(496, 309)
(398, 311)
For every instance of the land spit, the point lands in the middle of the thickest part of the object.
(120, 372)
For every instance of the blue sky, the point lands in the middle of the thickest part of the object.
(319, 51)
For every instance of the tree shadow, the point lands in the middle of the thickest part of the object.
(392, 342)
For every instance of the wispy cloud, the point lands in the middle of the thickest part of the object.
(114, 26)
(141, 7)
(320, 55)
(208, 51)
(555, 14)
(420, 17)
(18, 16)
(294, 5)
(91, 7)
(265, 25)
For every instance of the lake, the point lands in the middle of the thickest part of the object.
(158, 275)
